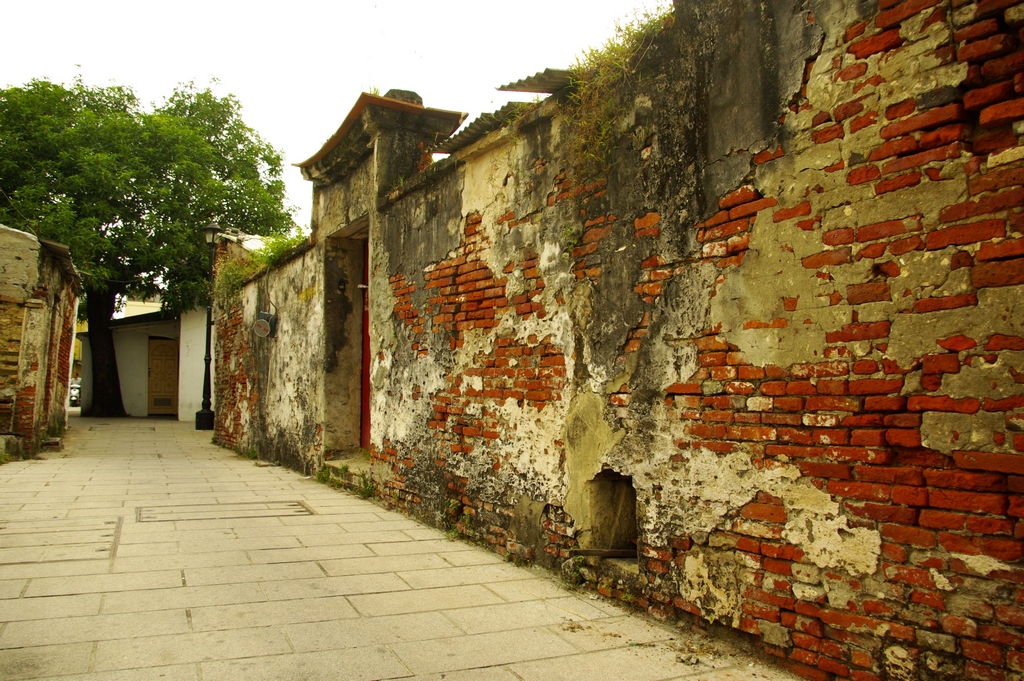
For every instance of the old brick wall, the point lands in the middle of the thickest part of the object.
(269, 390)
(38, 305)
(788, 317)
(809, 365)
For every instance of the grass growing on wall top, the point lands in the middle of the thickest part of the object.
(232, 274)
(600, 81)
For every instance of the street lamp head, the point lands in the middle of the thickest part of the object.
(211, 231)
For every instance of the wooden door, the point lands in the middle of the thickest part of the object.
(163, 376)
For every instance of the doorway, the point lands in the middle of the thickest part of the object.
(163, 376)
(347, 343)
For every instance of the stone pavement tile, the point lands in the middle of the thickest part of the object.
(334, 586)
(354, 519)
(243, 615)
(458, 576)
(655, 663)
(130, 536)
(478, 557)
(154, 549)
(12, 588)
(423, 600)
(92, 628)
(316, 538)
(359, 566)
(353, 664)
(20, 609)
(365, 631)
(751, 672)
(481, 650)
(251, 573)
(528, 589)
(155, 651)
(616, 632)
(407, 546)
(321, 553)
(482, 674)
(522, 615)
(237, 544)
(40, 661)
(181, 672)
(421, 533)
(182, 597)
(58, 586)
(181, 560)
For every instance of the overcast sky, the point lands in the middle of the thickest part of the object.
(298, 67)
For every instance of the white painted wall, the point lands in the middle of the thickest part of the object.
(132, 350)
(191, 353)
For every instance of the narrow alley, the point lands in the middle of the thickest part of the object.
(141, 551)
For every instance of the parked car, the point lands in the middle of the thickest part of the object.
(75, 393)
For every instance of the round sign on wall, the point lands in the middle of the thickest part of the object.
(261, 328)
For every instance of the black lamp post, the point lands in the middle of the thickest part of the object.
(204, 417)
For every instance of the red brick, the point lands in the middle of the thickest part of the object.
(1012, 248)
(945, 303)
(978, 30)
(1003, 68)
(912, 536)
(840, 256)
(987, 48)
(788, 213)
(850, 72)
(896, 183)
(766, 512)
(838, 237)
(867, 293)
(940, 364)
(975, 100)
(923, 158)
(972, 502)
(1001, 113)
(744, 194)
(863, 174)
(957, 343)
(876, 43)
(958, 132)
(857, 332)
(885, 403)
(751, 208)
(941, 520)
(880, 230)
(988, 204)
(909, 496)
(903, 437)
(828, 134)
(859, 490)
(966, 405)
(951, 113)
(989, 461)
(902, 11)
(966, 234)
(768, 155)
(996, 179)
(998, 273)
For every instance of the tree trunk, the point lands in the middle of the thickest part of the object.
(106, 385)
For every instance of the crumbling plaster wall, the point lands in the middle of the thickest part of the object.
(270, 390)
(37, 312)
(790, 312)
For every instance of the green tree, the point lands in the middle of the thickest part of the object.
(129, 190)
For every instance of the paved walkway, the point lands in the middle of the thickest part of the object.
(144, 552)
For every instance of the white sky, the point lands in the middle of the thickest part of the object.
(298, 67)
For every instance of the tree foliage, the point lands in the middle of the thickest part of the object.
(129, 189)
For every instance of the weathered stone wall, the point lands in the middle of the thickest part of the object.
(269, 390)
(787, 320)
(790, 314)
(38, 305)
